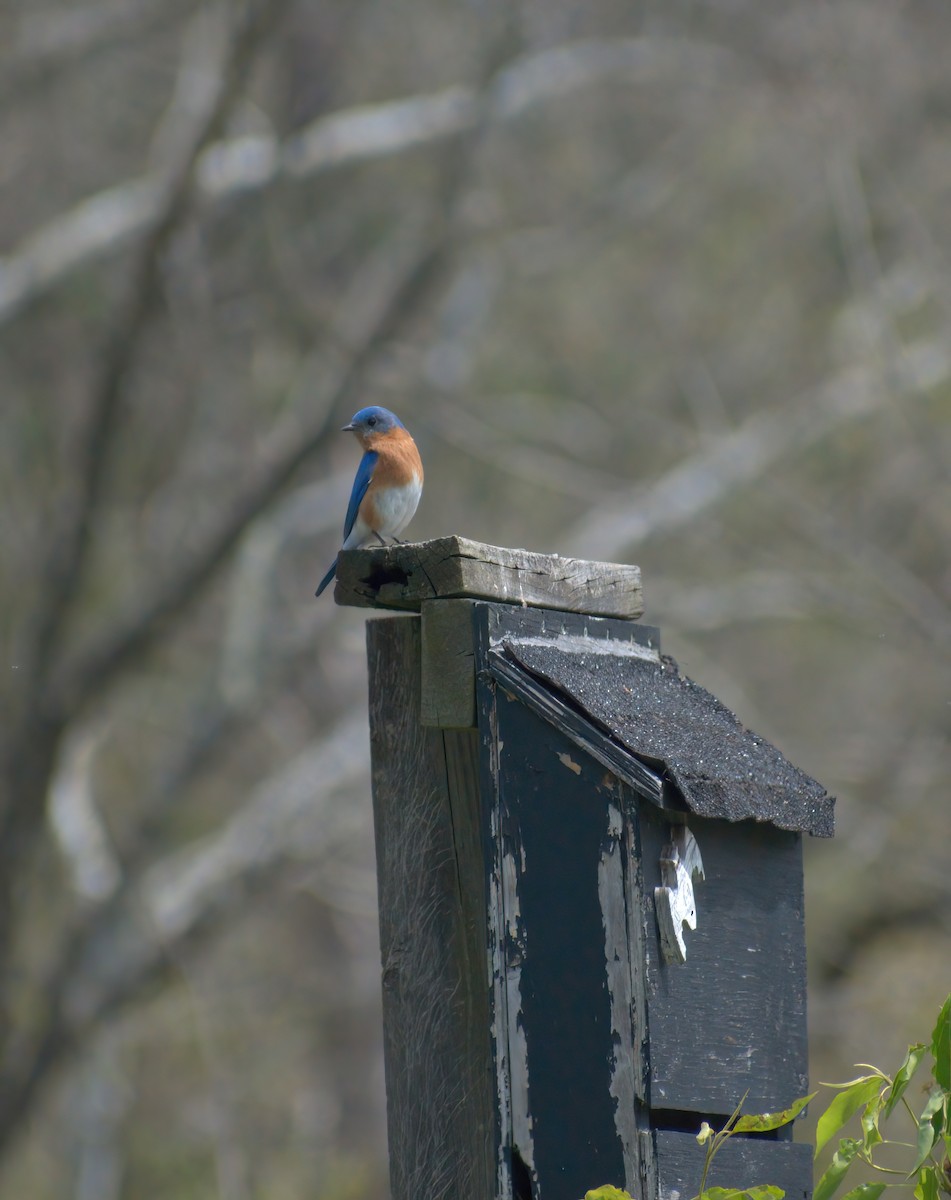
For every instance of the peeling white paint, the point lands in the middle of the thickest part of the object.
(618, 975)
(522, 1126)
(496, 982)
(511, 1047)
(501, 1055)
(510, 904)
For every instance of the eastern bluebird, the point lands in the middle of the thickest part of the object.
(387, 485)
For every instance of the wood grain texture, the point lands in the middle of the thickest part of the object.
(522, 969)
(429, 868)
(448, 680)
(402, 576)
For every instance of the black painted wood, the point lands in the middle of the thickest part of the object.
(536, 1042)
(732, 1017)
(742, 1162)
(554, 823)
(520, 684)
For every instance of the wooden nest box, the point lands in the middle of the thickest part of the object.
(590, 883)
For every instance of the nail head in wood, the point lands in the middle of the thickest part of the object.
(403, 576)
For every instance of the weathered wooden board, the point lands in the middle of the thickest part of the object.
(439, 1078)
(402, 576)
(742, 1162)
(732, 1017)
(536, 1042)
(448, 681)
(564, 990)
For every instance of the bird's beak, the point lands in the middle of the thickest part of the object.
(347, 429)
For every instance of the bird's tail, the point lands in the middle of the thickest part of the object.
(327, 578)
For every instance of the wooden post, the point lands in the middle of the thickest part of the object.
(541, 776)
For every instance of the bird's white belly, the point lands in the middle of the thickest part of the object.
(395, 507)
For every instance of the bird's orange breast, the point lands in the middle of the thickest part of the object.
(399, 462)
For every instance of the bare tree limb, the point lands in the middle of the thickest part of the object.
(907, 592)
(103, 223)
(736, 459)
(131, 635)
(37, 731)
(212, 727)
(296, 812)
(44, 43)
(27, 1068)
(70, 542)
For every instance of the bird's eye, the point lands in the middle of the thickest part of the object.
(371, 421)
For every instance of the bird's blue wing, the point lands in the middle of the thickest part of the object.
(361, 481)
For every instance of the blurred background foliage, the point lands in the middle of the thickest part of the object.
(655, 282)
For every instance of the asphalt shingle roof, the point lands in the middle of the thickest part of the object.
(721, 768)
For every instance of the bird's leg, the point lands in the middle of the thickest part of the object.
(378, 538)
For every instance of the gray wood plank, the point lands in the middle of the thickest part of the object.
(439, 1076)
(402, 576)
(448, 681)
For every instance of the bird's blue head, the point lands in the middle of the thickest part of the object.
(373, 420)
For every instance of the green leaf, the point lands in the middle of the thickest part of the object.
(761, 1123)
(928, 1128)
(941, 1047)
(871, 1134)
(866, 1191)
(606, 1192)
(763, 1191)
(844, 1106)
(927, 1188)
(904, 1076)
(833, 1175)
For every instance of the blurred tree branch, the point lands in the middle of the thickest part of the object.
(212, 728)
(734, 459)
(31, 748)
(104, 222)
(43, 44)
(188, 902)
(906, 591)
(93, 668)
(66, 562)
(130, 946)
